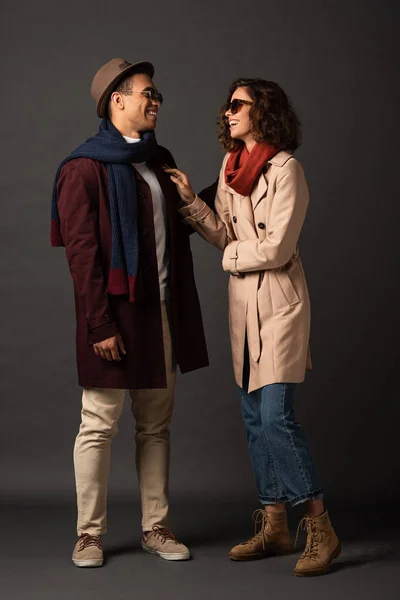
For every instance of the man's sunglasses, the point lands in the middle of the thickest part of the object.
(151, 93)
(236, 104)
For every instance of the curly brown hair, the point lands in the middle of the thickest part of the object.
(272, 114)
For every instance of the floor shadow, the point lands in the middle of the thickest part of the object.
(121, 549)
(365, 555)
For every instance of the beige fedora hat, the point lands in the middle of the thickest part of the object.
(108, 77)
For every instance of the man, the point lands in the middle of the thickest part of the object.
(137, 309)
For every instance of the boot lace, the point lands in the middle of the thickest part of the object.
(86, 540)
(163, 534)
(313, 537)
(260, 518)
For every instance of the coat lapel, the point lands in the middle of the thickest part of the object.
(230, 190)
(259, 191)
(261, 187)
(256, 195)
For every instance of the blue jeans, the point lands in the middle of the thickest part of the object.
(283, 467)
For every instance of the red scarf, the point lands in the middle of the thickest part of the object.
(243, 168)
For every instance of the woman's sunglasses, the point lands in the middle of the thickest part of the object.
(152, 94)
(236, 104)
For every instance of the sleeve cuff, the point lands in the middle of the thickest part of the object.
(229, 260)
(101, 332)
(194, 212)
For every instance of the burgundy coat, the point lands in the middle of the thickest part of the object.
(84, 211)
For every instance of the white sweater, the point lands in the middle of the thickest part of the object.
(160, 220)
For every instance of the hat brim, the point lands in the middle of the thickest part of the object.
(140, 67)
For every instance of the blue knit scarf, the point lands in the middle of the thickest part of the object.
(109, 146)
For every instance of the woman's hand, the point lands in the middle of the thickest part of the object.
(182, 183)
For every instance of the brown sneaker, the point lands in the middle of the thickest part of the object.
(162, 541)
(88, 551)
(322, 546)
(272, 539)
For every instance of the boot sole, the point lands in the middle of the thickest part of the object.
(323, 570)
(261, 555)
(167, 555)
(88, 563)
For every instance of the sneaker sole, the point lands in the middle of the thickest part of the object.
(167, 555)
(88, 563)
(323, 570)
(261, 555)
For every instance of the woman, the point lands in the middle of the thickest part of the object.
(260, 204)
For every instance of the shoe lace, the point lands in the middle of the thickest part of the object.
(313, 537)
(163, 534)
(260, 518)
(86, 540)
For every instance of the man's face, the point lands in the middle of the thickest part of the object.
(139, 111)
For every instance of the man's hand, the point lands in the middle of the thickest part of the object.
(110, 349)
(182, 183)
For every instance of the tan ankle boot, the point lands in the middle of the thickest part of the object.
(322, 546)
(272, 539)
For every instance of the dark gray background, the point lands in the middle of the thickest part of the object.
(338, 61)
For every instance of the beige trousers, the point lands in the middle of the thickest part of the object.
(101, 410)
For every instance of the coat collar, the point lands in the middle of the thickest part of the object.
(278, 160)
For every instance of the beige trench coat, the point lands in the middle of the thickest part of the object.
(268, 295)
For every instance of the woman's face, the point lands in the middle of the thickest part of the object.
(240, 123)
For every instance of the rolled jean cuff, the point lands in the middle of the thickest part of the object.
(270, 500)
(316, 495)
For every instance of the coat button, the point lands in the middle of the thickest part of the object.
(141, 196)
(234, 219)
(145, 231)
(261, 226)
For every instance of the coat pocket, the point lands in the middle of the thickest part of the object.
(287, 287)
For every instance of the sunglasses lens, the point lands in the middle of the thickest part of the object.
(156, 96)
(234, 106)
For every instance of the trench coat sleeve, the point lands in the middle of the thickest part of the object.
(79, 215)
(285, 221)
(214, 227)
